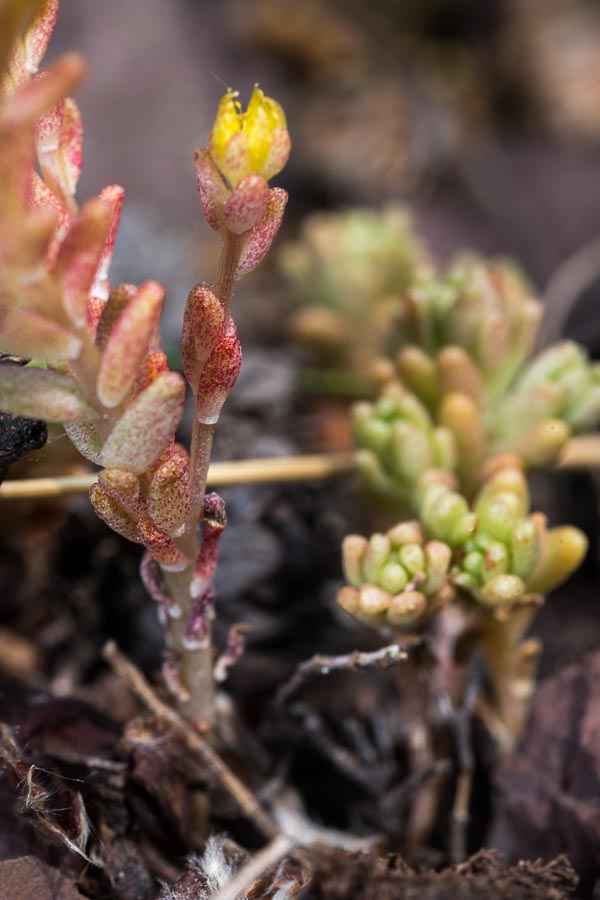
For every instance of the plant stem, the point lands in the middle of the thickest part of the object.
(196, 665)
(230, 258)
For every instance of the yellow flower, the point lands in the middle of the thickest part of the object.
(254, 142)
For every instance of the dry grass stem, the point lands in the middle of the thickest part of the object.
(286, 468)
(581, 453)
(245, 800)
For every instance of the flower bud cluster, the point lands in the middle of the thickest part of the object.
(397, 578)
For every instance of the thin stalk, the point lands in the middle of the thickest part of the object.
(230, 258)
(196, 665)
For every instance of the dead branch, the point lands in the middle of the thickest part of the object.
(244, 799)
(356, 661)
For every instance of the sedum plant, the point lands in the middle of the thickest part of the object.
(349, 269)
(97, 364)
(462, 415)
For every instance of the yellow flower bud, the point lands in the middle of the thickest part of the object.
(254, 142)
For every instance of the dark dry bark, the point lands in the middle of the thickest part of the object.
(550, 787)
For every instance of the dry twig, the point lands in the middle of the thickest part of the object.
(383, 658)
(245, 800)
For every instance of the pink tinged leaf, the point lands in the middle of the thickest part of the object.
(47, 130)
(42, 394)
(213, 190)
(156, 364)
(218, 376)
(13, 18)
(112, 310)
(37, 37)
(162, 548)
(80, 256)
(196, 632)
(111, 512)
(25, 332)
(128, 344)
(169, 496)
(146, 427)
(247, 204)
(17, 155)
(43, 92)
(86, 439)
(94, 313)
(24, 252)
(258, 240)
(112, 194)
(278, 154)
(59, 149)
(41, 197)
(203, 323)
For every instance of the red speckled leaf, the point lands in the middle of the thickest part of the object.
(37, 37)
(247, 204)
(42, 197)
(85, 437)
(14, 14)
(219, 376)
(43, 92)
(169, 497)
(203, 323)
(42, 394)
(147, 426)
(112, 194)
(213, 190)
(129, 343)
(259, 239)
(278, 154)
(112, 309)
(161, 546)
(59, 148)
(111, 512)
(25, 332)
(81, 254)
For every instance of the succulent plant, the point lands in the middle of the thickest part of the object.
(349, 269)
(460, 416)
(398, 579)
(97, 362)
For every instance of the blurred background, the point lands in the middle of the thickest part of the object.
(483, 116)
